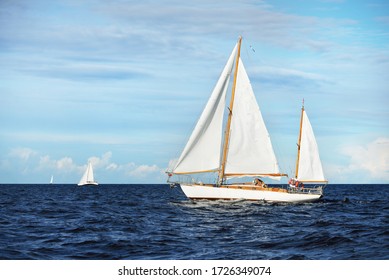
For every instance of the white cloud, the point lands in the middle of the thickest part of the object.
(65, 163)
(102, 162)
(22, 153)
(112, 166)
(62, 165)
(32, 164)
(384, 19)
(371, 160)
(144, 170)
(279, 75)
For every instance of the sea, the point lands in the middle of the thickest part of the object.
(155, 222)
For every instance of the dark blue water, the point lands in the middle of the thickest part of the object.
(156, 222)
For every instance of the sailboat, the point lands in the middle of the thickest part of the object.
(51, 179)
(243, 150)
(308, 164)
(87, 178)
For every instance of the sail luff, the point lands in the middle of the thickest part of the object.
(228, 127)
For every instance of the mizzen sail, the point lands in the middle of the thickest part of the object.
(309, 166)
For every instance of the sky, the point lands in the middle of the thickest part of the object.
(122, 83)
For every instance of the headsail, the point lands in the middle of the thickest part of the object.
(202, 152)
(309, 166)
(250, 152)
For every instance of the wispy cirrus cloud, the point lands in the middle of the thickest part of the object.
(85, 72)
(285, 76)
(165, 28)
(22, 153)
(383, 19)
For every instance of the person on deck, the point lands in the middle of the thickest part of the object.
(258, 182)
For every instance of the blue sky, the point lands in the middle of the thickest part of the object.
(122, 83)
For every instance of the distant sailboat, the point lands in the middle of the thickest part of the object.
(52, 179)
(87, 178)
(244, 151)
(308, 163)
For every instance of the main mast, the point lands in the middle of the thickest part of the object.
(299, 141)
(228, 127)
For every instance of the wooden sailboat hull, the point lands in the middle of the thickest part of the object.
(238, 192)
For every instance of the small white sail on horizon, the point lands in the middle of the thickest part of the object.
(51, 179)
(88, 178)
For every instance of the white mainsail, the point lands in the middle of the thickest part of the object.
(88, 178)
(309, 164)
(202, 151)
(250, 152)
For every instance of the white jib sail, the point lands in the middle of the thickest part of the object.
(250, 150)
(202, 151)
(310, 168)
